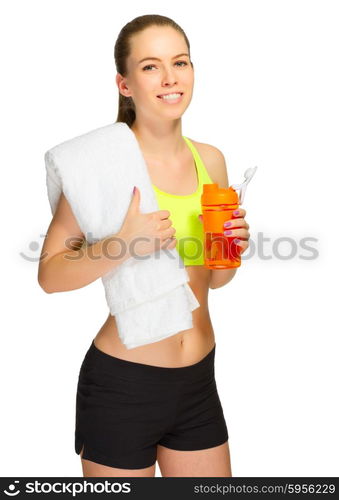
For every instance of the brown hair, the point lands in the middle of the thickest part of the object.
(126, 111)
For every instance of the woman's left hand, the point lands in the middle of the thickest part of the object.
(233, 224)
(242, 233)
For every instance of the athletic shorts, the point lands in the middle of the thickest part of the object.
(125, 409)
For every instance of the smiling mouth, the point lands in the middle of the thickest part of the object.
(167, 96)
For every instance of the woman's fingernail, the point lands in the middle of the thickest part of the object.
(237, 241)
(236, 212)
(227, 232)
(227, 224)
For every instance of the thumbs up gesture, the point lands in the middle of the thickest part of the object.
(145, 233)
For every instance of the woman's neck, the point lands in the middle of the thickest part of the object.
(160, 143)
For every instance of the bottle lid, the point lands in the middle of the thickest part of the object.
(213, 195)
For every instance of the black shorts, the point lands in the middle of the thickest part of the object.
(124, 409)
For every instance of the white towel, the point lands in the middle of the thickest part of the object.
(149, 296)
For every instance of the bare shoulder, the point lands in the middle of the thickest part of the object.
(214, 162)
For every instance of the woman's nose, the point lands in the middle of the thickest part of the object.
(169, 77)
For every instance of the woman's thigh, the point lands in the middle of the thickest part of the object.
(211, 462)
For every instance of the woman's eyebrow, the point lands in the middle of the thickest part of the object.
(157, 59)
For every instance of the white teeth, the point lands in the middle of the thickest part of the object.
(170, 96)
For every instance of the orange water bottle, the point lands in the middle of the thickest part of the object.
(218, 205)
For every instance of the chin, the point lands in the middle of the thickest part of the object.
(173, 116)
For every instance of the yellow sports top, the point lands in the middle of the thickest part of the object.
(184, 211)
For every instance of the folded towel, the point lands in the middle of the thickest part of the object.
(149, 295)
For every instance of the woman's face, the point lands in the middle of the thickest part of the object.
(147, 78)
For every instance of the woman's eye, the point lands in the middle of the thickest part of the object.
(183, 62)
(177, 62)
(148, 66)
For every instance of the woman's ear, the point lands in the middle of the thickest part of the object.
(121, 83)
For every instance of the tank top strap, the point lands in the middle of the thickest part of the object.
(202, 171)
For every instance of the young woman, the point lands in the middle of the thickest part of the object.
(158, 401)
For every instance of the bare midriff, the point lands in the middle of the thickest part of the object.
(181, 349)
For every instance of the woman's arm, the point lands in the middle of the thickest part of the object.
(220, 277)
(73, 269)
(66, 263)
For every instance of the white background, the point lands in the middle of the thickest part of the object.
(266, 94)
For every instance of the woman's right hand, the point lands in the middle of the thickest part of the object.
(144, 233)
